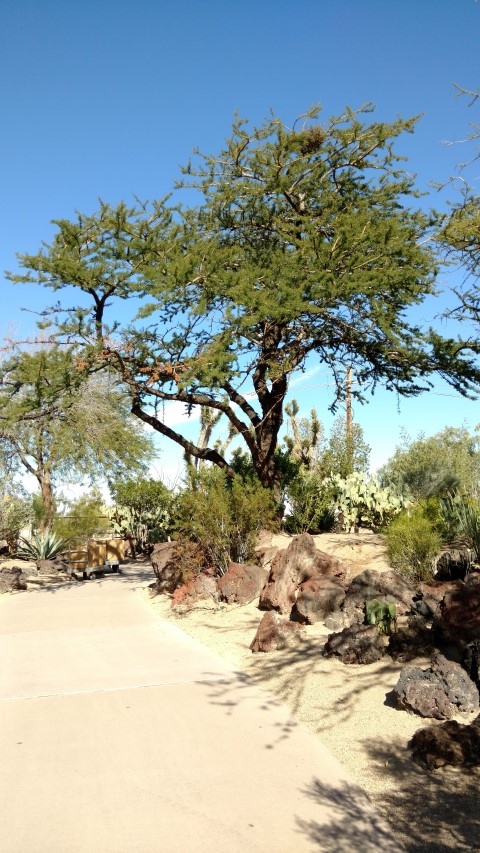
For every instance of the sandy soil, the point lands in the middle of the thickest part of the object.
(350, 709)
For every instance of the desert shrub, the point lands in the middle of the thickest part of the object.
(311, 504)
(461, 518)
(413, 542)
(15, 515)
(223, 515)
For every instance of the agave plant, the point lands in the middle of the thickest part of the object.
(41, 546)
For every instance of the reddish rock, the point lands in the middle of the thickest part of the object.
(431, 594)
(439, 692)
(290, 568)
(458, 616)
(357, 644)
(52, 567)
(317, 598)
(201, 587)
(450, 743)
(241, 584)
(166, 566)
(276, 633)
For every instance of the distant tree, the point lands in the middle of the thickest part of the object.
(58, 427)
(303, 243)
(346, 454)
(142, 510)
(82, 517)
(431, 467)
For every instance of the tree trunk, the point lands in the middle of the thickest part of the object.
(46, 492)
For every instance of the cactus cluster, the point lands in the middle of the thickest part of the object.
(362, 501)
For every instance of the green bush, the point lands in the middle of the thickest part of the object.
(143, 508)
(223, 515)
(310, 500)
(413, 542)
(461, 517)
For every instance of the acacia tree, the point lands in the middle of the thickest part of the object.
(57, 425)
(303, 246)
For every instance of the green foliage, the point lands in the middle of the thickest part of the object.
(462, 519)
(223, 515)
(311, 504)
(363, 502)
(442, 464)
(303, 242)
(61, 425)
(83, 517)
(383, 614)
(413, 543)
(144, 508)
(344, 454)
(15, 515)
(41, 546)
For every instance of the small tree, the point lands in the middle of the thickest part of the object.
(143, 509)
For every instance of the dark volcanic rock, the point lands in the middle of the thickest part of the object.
(439, 692)
(411, 641)
(274, 633)
(458, 616)
(357, 644)
(241, 583)
(450, 743)
(12, 578)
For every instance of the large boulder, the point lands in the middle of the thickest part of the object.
(458, 616)
(290, 568)
(356, 644)
(317, 598)
(450, 743)
(439, 692)
(166, 566)
(430, 594)
(389, 586)
(241, 583)
(12, 578)
(274, 633)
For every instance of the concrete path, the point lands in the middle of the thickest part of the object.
(121, 734)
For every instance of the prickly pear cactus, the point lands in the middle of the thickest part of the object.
(363, 502)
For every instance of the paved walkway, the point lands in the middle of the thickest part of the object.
(121, 734)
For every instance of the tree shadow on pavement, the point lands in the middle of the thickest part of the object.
(432, 811)
(352, 824)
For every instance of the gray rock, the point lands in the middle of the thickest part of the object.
(12, 578)
(317, 598)
(439, 692)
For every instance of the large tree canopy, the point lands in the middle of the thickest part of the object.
(304, 243)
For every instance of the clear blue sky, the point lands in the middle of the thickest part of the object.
(107, 98)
